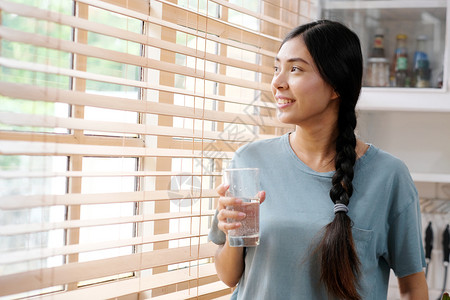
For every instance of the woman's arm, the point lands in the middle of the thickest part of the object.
(413, 287)
(229, 263)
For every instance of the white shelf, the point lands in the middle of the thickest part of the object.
(407, 16)
(431, 177)
(404, 99)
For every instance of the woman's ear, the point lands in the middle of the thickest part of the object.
(334, 95)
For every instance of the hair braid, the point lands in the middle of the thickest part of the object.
(340, 275)
(345, 159)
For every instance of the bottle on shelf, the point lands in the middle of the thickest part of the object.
(440, 79)
(421, 64)
(399, 71)
(377, 72)
(378, 44)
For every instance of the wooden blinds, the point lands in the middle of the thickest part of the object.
(116, 120)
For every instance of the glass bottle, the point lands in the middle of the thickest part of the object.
(377, 71)
(400, 63)
(378, 44)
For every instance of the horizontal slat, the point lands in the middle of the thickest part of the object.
(30, 92)
(125, 58)
(89, 140)
(71, 138)
(194, 293)
(135, 285)
(10, 230)
(30, 11)
(38, 148)
(226, 297)
(121, 10)
(30, 201)
(84, 174)
(47, 121)
(32, 254)
(75, 272)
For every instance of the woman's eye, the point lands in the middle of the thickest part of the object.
(275, 69)
(296, 69)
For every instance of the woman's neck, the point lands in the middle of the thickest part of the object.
(315, 147)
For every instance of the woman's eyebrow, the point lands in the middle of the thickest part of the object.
(294, 59)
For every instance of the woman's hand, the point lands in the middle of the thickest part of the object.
(225, 213)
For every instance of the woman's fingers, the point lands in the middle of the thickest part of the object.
(224, 202)
(225, 214)
(221, 189)
(229, 219)
(261, 196)
(228, 226)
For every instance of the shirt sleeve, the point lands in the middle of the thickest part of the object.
(216, 235)
(406, 253)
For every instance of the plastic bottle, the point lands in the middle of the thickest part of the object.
(422, 72)
(421, 53)
(440, 79)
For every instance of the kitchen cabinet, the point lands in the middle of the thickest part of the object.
(411, 123)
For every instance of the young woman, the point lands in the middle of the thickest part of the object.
(338, 214)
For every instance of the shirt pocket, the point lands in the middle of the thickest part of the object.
(361, 238)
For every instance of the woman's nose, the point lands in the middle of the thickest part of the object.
(279, 81)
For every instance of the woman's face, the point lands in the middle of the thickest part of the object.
(302, 96)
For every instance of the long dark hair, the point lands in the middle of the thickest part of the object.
(336, 51)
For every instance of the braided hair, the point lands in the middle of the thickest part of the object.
(336, 51)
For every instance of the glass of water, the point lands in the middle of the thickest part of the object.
(244, 184)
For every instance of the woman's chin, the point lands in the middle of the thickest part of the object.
(284, 118)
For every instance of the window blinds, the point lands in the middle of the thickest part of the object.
(116, 120)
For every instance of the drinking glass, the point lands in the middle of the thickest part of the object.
(244, 184)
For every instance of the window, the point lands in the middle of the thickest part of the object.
(117, 118)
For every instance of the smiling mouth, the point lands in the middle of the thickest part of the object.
(284, 101)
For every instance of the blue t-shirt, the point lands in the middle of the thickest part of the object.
(384, 208)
